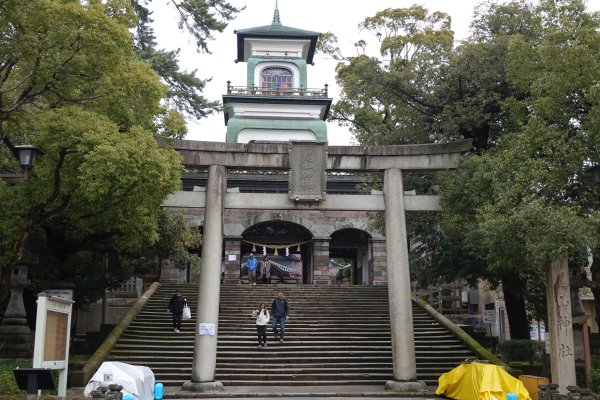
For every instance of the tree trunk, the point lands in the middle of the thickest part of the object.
(595, 269)
(516, 313)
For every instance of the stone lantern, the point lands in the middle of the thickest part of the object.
(14, 330)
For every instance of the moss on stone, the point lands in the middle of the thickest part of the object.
(473, 344)
(102, 352)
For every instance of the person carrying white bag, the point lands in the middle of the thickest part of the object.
(176, 307)
(187, 312)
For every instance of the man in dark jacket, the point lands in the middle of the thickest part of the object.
(279, 311)
(176, 305)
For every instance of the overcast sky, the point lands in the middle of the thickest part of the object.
(338, 16)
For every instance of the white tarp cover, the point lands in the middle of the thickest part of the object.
(136, 380)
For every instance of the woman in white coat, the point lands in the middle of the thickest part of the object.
(262, 319)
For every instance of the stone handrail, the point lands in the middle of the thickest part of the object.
(101, 353)
(481, 351)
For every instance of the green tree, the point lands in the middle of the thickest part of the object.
(476, 82)
(529, 200)
(199, 19)
(72, 84)
(506, 85)
(390, 99)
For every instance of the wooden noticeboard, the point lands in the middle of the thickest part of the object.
(55, 341)
(52, 336)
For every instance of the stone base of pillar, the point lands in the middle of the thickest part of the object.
(14, 329)
(17, 344)
(406, 386)
(202, 387)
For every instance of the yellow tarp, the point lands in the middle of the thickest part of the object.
(478, 381)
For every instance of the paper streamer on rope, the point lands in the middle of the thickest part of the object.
(264, 251)
(287, 251)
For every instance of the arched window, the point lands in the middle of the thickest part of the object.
(275, 77)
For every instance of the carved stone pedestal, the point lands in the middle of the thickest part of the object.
(202, 387)
(405, 386)
(14, 331)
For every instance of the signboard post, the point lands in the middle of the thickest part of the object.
(52, 337)
(489, 317)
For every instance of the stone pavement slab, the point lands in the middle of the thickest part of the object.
(329, 392)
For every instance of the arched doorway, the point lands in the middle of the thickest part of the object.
(287, 245)
(350, 248)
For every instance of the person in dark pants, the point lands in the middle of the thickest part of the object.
(176, 305)
(251, 265)
(265, 269)
(279, 310)
(262, 319)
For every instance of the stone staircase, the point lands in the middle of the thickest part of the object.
(334, 336)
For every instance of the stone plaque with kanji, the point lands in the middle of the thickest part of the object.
(307, 171)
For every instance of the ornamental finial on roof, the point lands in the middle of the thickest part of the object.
(276, 20)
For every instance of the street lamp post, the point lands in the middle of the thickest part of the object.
(25, 154)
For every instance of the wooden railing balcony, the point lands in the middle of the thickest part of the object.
(264, 91)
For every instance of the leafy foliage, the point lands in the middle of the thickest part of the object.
(72, 84)
(529, 200)
(524, 87)
(522, 350)
(8, 385)
(390, 99)
(199, 19)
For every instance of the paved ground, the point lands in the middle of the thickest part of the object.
(266, 392)
(364, 392)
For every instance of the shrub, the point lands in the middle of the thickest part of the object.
(521, 350)
(8, 385)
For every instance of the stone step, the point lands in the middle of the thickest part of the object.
(159, 361)
(335, 335)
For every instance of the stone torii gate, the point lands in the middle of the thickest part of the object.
(308, 163)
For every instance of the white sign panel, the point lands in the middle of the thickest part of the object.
(206, 329)
(489, 316)
(62, 293)
(52, 336)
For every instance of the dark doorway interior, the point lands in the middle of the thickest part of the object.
(352, 246)
(278, 233)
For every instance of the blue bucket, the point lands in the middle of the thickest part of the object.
(158, 391)
(511, 396)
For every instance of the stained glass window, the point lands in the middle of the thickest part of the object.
(275, 77)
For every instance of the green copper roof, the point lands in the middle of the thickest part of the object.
(277, 31)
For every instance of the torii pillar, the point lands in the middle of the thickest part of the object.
(401, 321)
(209, 288)
(390, 159)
